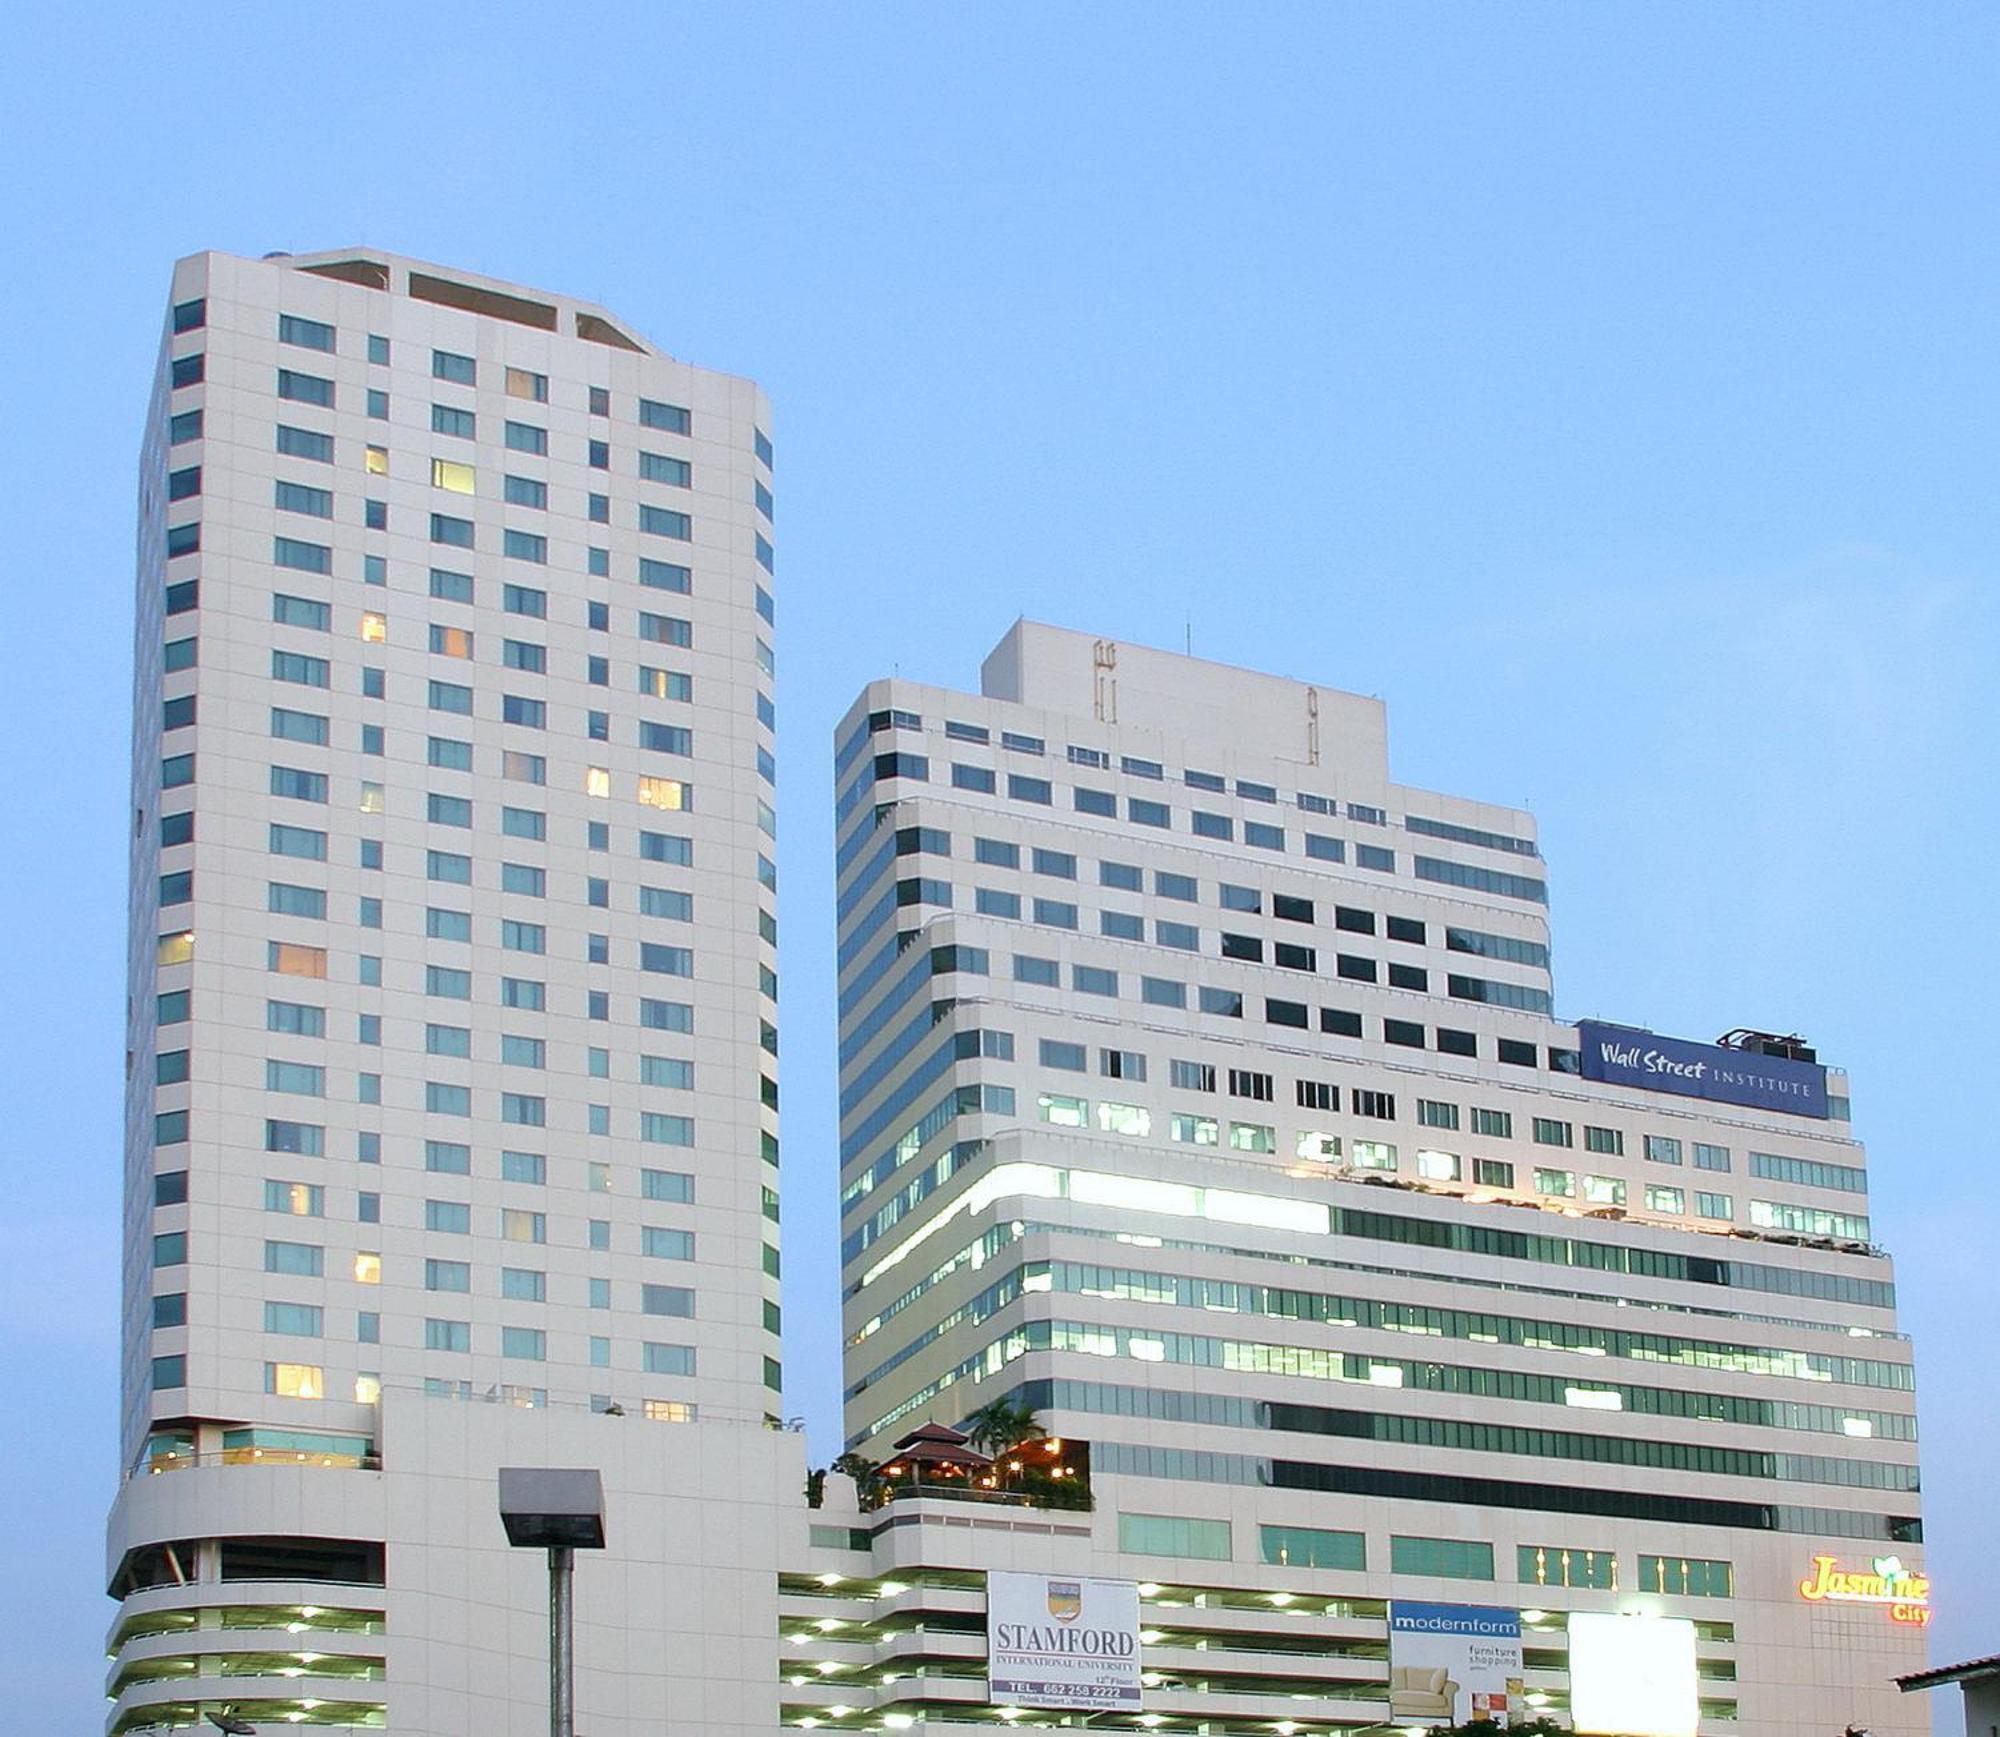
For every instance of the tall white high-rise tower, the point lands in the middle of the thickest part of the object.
(451, 1058)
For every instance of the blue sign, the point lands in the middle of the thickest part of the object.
(1622, 1055)
(1482, 1621)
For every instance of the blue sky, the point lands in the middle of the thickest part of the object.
(1610, 388)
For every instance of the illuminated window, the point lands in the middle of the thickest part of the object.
(517, 1225)
(295, 1380)
(177, 948)
(451, 641)
(372, 799)
(597, 781)
(667, 793)
(1252, 1137)
(296, 1199)
(378, 461)
(1063, 1112)
(1663, 1199)
(367, 1269)
(1553, 1565)
(1124, 1119)
(449, 473)
(1313, 1144)
(670, 1411)
(523, 384)
(665, 684)
(1372, 1155)
(1557, 1182)
(374, 628)
(1195, 1130)
(367, 1390)
(289, 959)
(1438, 1166)
(1686, 1577)
(1604, 1190)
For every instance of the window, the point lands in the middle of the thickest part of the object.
(1093, 980)
(670, 417)
(1129, 1119)
(1174, 1535)
(1604, 1191)
(1809, 1173)
(295, 1380)
(665, 522)
(1560, 1183)
(1556, 1565)
(1162, 992)
(1406, 1032)
(1714, 1206)
(1710, 1157)
(1492, 1173)
(1244, 1083)
(1242, 947)
(1433, 1114)
(459, 370)
(1184, 937)
(664, 1244)
(1380, 1105)
(305, 388)
(1664, 1199)
(523, 384)
(1061, 1111)
(1028, 969)
(296, 1199)
(1493, 1124)
(290, 959)
(1609, 1141)
(1224, 1003)
(1686, 1577)
(1550, 1132)
(446, 529)
(1025, 789)
(1070, 1057)
(1252, 1137)
(1355, 968)
(1317, 1095)
(1660, 1149)
(1441, 1558)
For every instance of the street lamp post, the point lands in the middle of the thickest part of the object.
(561, 1511)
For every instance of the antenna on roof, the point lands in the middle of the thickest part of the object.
(1190, 633)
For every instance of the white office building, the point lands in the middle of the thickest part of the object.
(451, 1133)
(1203, 1090)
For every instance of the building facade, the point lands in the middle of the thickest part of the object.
(1203, 1090)
(451, 1124)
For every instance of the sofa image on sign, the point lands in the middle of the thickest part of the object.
(1421, 1692)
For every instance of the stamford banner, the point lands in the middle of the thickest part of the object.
(1455, 1664)
(1056, 1642)
(1621, 1055)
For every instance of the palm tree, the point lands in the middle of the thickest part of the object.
(1002, 1424)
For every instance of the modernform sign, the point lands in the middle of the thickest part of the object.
(1621, 1055)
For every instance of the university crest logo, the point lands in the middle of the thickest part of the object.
(1065, 1600)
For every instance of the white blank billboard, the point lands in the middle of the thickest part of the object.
(1632, 1676)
